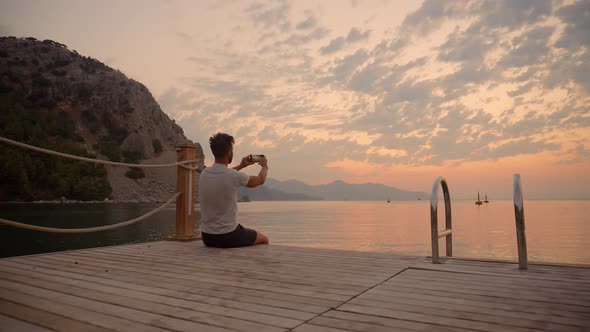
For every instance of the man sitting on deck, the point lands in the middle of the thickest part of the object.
(218, 192)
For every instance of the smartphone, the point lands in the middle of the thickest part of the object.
(255, 157)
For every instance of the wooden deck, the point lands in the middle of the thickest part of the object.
(186, 287)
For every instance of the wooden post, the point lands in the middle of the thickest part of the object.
(519, 215)
(185, 203)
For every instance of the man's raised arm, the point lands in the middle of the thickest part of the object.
(255, 181)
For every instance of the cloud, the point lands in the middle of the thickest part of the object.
(339, 43)
(346, 66)
(462, 47)
(433, 13)
(493, 85)
(522, 89)
(520, 147)
(355, 35)
(511, 15)
(576, 155)
(235, 90)
(307, 24)
(271, 15)
(430, 117)
(528, 49)
(298, 39)
(335, 45)
(577, 30)
(365, 80)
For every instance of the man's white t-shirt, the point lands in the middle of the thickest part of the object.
(218, 194)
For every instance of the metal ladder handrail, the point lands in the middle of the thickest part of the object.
(519, 215)
(448, 232)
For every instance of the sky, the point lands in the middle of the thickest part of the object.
(393, 92)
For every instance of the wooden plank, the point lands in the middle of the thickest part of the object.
(509, 309)
(71, 270)
(545, 323)
(236, 301)
(344, 289)
(315, 251)
(60, 284)
(581, 273)
(583, 269)
(15, 325)
(297, 283)
(277, 287)
(178, 308)
(253, 267)
(363, 255)
(482, 286)
(250, 288)
(457, 288)
(310, 253)
(123, 310)
(504, 281)
(477, 284)
(390, 323)
(75, 312)
(43, 318)
(513, 261)
(316, 328)
(234, 271)
(327, 322)
(500, 271)
(350, 272)
(309, 257)
(450, 322)
(478, 297)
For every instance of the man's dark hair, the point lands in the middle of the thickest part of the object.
(220, 144)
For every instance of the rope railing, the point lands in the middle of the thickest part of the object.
(98, 161)
(90, 229)
(184, 217)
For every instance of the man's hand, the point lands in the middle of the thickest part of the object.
(245, 163)
(263, 162)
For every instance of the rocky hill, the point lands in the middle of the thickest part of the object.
(55, 98)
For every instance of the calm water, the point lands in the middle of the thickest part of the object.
(557, 231)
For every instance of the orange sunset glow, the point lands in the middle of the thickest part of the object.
(392, 92)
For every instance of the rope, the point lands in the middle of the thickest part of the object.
(191, 168)
(86, 230)
(97, 161)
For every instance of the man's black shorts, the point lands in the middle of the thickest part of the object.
(240, 237)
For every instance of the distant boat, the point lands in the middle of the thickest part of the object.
(478, 202)
(486, 199)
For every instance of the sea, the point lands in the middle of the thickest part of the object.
(556, 231)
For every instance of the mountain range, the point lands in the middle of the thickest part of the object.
(294, 190)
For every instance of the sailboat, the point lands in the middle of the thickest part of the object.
(486, 199)
(478, 202)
